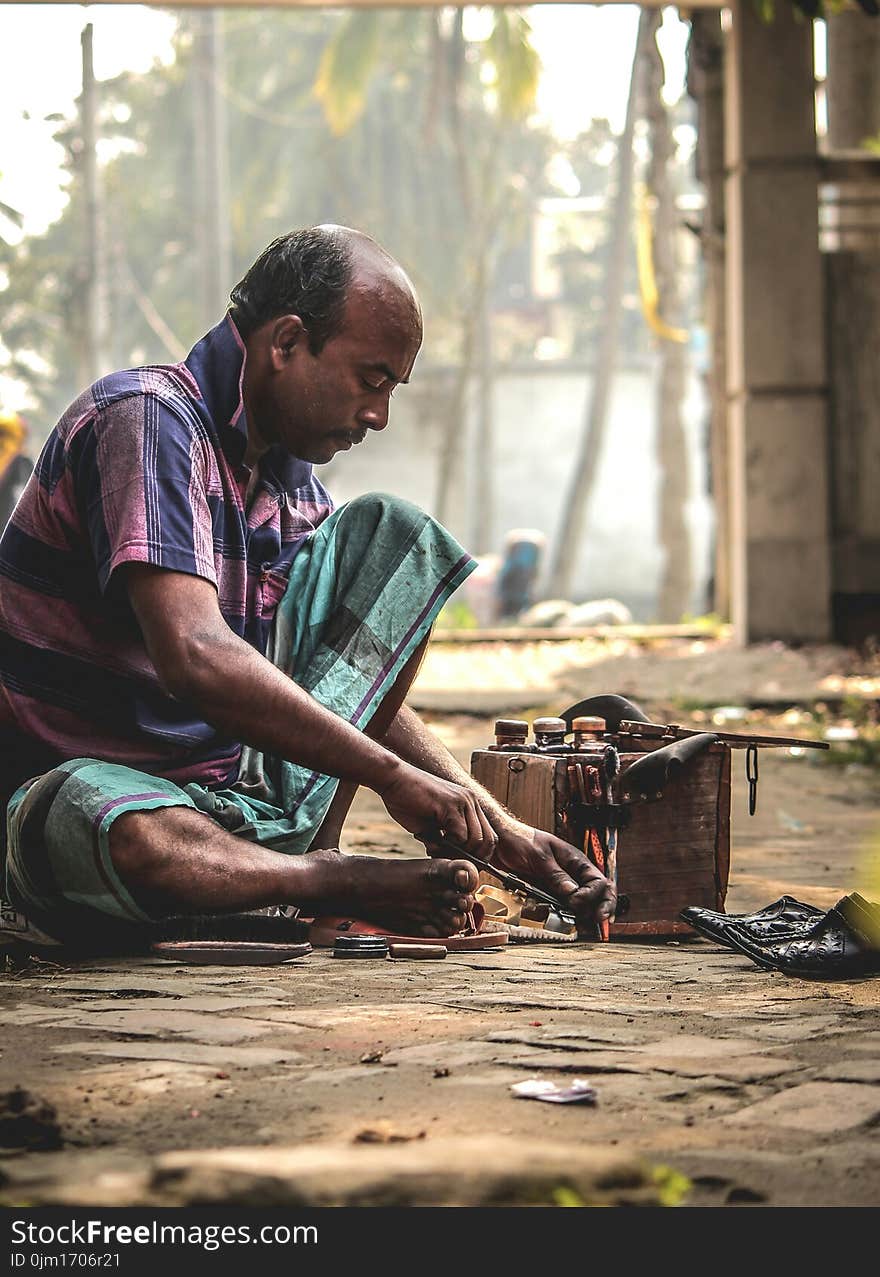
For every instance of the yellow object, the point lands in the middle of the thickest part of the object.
(12, 434)
(868, 881)
(647, 278)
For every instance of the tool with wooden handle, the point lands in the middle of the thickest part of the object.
(736, 740)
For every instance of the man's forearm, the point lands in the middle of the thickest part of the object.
(199, 661)
(246, 697)
(416, 744)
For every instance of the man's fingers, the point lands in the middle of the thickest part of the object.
(560, 884)
(485, 838)
(596, 899)
(455, 826)
(490, 838)
(478, 837)
(475, 830)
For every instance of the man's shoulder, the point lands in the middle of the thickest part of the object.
(170, 384)
(125, 394)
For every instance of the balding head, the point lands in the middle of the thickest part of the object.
(332, 326)
(310, 273)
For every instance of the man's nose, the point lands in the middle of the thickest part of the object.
(375, 417)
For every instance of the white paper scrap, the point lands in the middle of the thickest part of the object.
(579, 1091)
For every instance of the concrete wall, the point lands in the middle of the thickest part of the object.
(538, 416)
(776, 368)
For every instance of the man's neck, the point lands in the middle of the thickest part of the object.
(255, 447)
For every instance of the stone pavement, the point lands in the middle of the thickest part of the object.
(386, 1082)
(756, 1087)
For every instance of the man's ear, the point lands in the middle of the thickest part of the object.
(287, 333)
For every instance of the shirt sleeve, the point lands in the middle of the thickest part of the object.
(142, 480)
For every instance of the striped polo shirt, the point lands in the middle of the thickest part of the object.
(144, 467)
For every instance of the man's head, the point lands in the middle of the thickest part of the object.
(331, 324)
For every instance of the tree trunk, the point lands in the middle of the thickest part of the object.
(95, 363)
(453, 424)
(706, 87)
(211, 169)
(480, 229)
(575, 509)
(675, 583)
(483, 517)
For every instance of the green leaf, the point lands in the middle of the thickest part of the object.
(346, 68)
(517, 65)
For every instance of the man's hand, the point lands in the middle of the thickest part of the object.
(421, 802)
(558, 867)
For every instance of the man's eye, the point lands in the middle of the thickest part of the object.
(371, 385)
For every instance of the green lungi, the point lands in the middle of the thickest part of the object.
(362, 594)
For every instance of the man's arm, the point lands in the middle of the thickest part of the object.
(540, 857)
(199, 660)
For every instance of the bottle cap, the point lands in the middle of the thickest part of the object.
(511, 727)
(547, 726)
(588, 724)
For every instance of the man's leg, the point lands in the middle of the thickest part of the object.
(176, 861)
(96, 856)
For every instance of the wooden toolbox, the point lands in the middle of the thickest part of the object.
(673, 849)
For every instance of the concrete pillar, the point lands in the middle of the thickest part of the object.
(776, 368)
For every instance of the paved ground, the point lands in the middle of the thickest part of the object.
(380, 1082)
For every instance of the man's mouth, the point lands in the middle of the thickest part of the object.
(352, 437)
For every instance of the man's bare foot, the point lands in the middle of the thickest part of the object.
(415, 897)
(176, 861)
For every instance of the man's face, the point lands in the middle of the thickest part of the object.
(318, 405)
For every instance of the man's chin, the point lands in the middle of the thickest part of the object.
(341, 442)
(318, 454)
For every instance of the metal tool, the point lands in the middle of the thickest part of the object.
(741, 740)
(506, 879)
(752, 777)
(593, 840)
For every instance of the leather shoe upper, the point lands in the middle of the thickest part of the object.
(784, 918)
(837, 948)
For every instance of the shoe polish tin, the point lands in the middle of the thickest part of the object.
(360, 947)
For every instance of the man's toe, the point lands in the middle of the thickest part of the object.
(466, 876)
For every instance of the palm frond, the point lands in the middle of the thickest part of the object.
(517, 64)
(346, 68)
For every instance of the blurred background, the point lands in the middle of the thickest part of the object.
(552, 178)
(146, 161)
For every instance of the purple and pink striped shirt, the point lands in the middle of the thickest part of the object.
(144, 467)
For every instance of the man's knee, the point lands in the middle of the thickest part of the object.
(144, 843)
(373, 509)
(27, 819)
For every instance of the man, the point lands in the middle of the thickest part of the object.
(174, 585)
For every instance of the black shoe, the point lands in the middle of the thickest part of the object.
(843, 945)
(786, 918)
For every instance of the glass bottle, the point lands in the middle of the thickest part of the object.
(550, 736)
(587, 731)
(511, 734)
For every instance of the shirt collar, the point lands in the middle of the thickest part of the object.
(217, 363)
